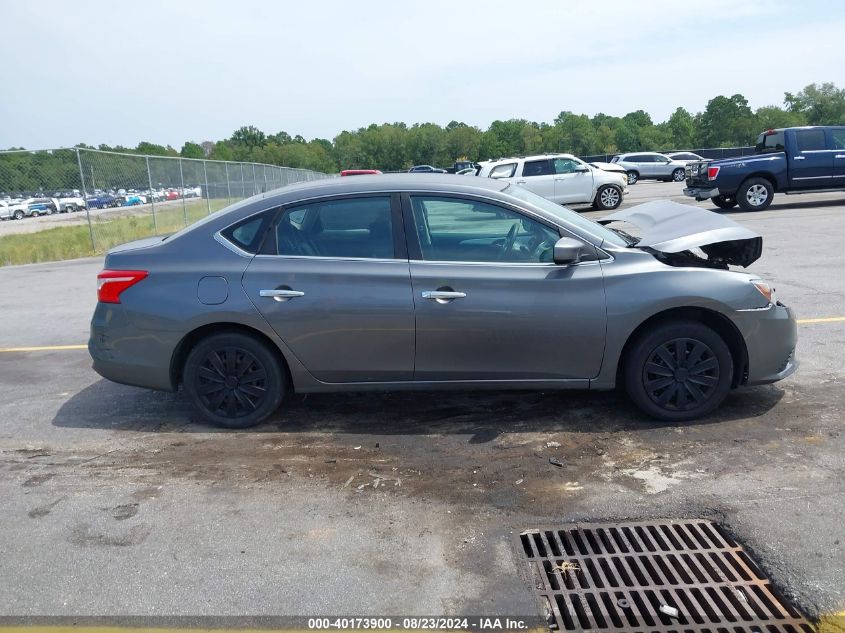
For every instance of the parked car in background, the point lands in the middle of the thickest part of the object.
(133, 199)
(36, 207)
(5, 210)
(171, 194)
(102, 201)
(425, 169)
(561, 178)
(650, 166)
(359, 172)
(436, 282)
(68, 202)
(468, 171)
(687, 157)
(786, 160)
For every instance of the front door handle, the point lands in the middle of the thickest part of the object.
(280, 294)
(800, 157)
(840, 156)
(520, 182)
(443, 296)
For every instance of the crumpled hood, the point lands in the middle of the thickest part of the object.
(670, 227)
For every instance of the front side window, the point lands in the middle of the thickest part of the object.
(503, 171)
(537, 168)
(565, 165)
(838, 135)
(808, 140)
(350, 227)
(465, 230)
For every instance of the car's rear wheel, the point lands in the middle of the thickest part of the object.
(724, 202)
(633, 177)
(35, 214)
(755, 194)
(678, 175)
(678, 371)
(18, 215)
(607, 197)
(234, 380)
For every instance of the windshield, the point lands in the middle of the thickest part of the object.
(567, 216)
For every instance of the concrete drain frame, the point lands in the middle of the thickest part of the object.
(684, 576)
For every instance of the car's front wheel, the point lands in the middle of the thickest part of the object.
(724, 202)
(607, 197)
(18, 215)
(633, 177)
(678, 175)
(234, 380)
(678, 371)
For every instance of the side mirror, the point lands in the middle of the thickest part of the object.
(567, 251)
(581, 168)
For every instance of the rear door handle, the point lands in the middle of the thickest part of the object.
(442, 295)
(800, 157)
(281, 295)
(520, 182)
(840, 156)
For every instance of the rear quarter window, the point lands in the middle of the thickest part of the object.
(249, 233)
(503, 171)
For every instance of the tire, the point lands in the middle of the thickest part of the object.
(724, 202)
(667, 390)
(34, 214)
(236, 404)
(607, 197)
(18, 215)
(678, 175)
(633, 177)
(49, 211)
(755, 194)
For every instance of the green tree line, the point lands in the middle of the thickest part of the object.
(725, 122)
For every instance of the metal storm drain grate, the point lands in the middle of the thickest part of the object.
(677, 577)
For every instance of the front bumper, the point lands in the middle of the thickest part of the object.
(770, 338)
(701, 193)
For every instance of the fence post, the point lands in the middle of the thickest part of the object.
(207, 195)
(152, 198)
(182, 181)
(265, 178)
(228, 186)
(85, 197)
(243, 181)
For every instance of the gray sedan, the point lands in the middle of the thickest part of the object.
(434, 282)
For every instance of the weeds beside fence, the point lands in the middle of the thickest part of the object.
(111, 198)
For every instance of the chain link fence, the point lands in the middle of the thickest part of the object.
(98, 199)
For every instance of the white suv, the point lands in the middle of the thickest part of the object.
(562, 178)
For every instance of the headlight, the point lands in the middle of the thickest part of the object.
(767, 290)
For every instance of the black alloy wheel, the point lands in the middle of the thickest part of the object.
(234, 380)
(678, 371)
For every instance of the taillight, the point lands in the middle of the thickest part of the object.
(110, 283)
(712, 172)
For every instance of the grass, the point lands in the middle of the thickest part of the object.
(71, 242)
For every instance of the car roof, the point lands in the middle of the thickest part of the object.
(531, 157)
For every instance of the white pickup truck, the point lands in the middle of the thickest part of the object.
(562, 178)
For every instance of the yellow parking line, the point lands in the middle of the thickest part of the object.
(42, 348)
(822, 320)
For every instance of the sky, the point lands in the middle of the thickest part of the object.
(168, 71)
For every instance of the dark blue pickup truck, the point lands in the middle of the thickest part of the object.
(788, 160)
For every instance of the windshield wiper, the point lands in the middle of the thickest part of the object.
(632, 241)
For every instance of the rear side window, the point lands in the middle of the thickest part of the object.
(503, 171)
(537, 168)
(808, 140)
(838, 135)
(350, 227)
(249, 233)
(767, 143)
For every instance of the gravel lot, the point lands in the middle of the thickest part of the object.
(117, 503)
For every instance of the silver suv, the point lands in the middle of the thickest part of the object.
(650, 166)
